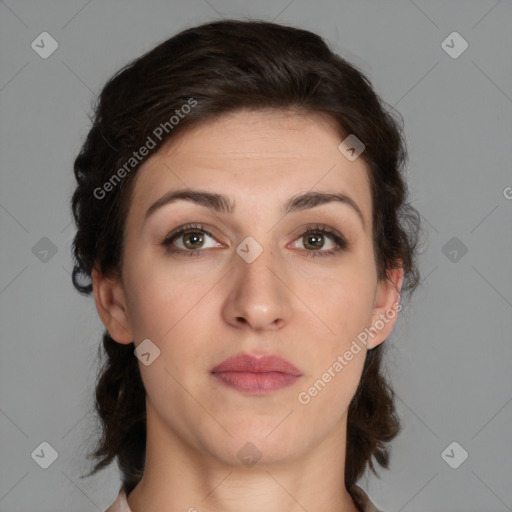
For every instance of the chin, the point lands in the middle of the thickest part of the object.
(261, 445)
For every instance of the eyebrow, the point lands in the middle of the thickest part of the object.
(224, 204)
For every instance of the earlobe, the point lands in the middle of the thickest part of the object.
(110, 304)
(387, 306)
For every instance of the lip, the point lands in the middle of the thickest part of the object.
(256, 375)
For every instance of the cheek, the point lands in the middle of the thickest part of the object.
(344, 306)
(173, 313)
(332, 383)
(335, 367)
(165, 310)
(344, 303)
(161, 299)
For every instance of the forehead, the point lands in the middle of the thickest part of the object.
(255, 157)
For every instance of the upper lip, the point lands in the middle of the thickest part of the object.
(253, 364)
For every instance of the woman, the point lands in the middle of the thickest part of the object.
(242, 222)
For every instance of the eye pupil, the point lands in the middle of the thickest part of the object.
(195, 236)
(315, 237)
(192, 239)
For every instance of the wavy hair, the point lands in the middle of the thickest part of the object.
(226, 66)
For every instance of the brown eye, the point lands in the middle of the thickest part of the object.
(313, 241)
(193, 239)
(188, 240)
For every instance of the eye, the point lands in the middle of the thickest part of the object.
(314, 237)
(192, 239)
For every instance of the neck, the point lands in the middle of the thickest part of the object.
(195, 479)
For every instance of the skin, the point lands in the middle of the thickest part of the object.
(201, 310)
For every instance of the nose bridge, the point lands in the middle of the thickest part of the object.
(257, 293)
(258, 265)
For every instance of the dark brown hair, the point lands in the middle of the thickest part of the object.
(225, 66)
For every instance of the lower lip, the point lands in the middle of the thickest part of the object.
(256, 383)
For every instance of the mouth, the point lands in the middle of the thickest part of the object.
(256, 375)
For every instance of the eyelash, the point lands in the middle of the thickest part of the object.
(340, 241)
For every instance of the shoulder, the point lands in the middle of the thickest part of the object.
(121, 503)
(360, 497)
(363, 500)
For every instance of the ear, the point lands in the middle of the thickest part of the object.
(111, 306)
(386, 308)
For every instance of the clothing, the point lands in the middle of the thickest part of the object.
(361, 498)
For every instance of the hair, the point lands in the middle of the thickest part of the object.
(222, 67)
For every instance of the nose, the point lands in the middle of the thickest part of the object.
(258, 296)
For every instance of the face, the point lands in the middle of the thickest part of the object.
(260, 279)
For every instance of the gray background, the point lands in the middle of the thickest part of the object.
(450, 353)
